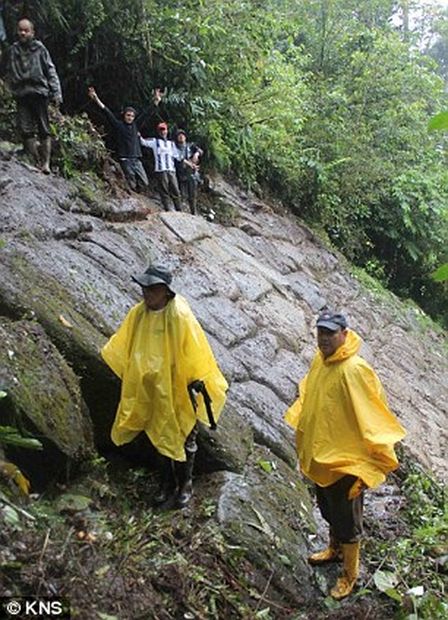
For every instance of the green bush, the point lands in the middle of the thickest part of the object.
(78, 145)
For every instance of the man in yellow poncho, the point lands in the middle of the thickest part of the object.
(345, 436)
(158, 352)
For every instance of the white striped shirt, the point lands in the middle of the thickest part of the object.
(165, 152)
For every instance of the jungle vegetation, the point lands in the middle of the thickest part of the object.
(324, 104)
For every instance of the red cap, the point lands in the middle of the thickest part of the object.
(162, 126)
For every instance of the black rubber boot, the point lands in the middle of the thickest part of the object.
(184, 473)
(167, 484)
(31, 147)
(45, 155)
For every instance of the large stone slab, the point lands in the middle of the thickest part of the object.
(28, 292)
(281, 316)
(232, 368)
(188, 228)
(268, 273)
(224, 320)
(204, 277)
(44, 400)
(263, 410)
(307, 290)
(267, 512)
(228, 447)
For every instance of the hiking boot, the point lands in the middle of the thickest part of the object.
(30, 146)
(345, 583)
(167, 483)
(184, 473)
(45, 155)
(333, 553)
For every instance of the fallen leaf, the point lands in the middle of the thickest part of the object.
(11, 517)
(417, 591)
(73, 503)
(64, 321)
(11, 471)
(265, 465)
(385, 580)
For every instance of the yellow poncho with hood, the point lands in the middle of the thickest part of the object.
(157, 354)
(342, 421)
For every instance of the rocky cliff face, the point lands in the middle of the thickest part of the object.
(255, 285)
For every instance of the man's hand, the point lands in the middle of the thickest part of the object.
(91, 92)
(158, 95)
(356, 489)
(191, 164)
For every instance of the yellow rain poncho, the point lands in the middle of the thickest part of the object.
(157, 354)
(342, 421)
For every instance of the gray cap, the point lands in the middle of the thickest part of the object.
(332, 321)
(154, 274)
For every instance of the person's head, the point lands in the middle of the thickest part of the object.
(156, 296)
(181, 137)
(25, 30)
(162, 130)
(155, 283)
(331, 332)
(129, 115)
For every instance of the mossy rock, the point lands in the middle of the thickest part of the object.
(78, 145)
(43, 400)
(26, 292)
(7, 113)
(267, 511)
(228, 447)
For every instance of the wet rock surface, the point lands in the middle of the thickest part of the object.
(256, 286)
(43, 400)
(267, 511)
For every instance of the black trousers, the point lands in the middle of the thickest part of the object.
(189, 191)
(134, 172)
(32, 116)
(343, 515)
(168, 188)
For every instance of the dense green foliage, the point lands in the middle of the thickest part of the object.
(324, 103)
(413, 572)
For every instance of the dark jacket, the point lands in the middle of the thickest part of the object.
(183, 171)
(127, 134)
(31, 71)
(127, 139)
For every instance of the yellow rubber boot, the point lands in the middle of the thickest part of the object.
(344, 584)
(332, 553)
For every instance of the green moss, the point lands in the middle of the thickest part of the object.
(8, 129)
(371, 283)
(51, 303)
(90, 189)
(49, 300)
(42, 389)
(78, 145)
(226, 213)
(424, 322)
(262, 511)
